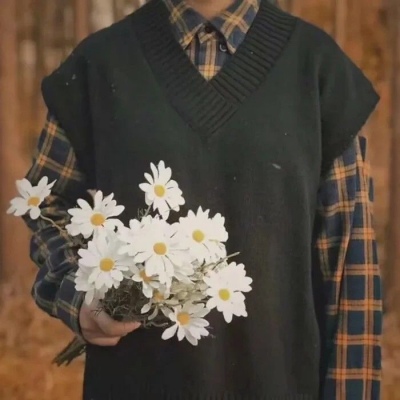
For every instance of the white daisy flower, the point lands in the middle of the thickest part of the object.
(158, 301)
(183, 292)
(106, 265)
(236, 273)
(88, 221)
(160, 250)
(225, 290)
(149, 283)
(188, 323)
(204, 236)
(184, 271)
(130, 235)
(82, 285)
(161, 191)
(31, 197)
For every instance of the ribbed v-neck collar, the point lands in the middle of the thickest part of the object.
(207, 105)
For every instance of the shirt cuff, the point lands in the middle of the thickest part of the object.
(69, 302)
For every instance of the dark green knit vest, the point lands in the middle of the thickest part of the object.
(251, 144)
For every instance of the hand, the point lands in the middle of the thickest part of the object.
(100, 329)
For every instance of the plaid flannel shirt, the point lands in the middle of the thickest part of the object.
(344, 243)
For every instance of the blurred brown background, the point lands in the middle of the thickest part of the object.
(35, 35)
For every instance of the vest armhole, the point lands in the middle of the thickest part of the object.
(66, 97)
(347, 99)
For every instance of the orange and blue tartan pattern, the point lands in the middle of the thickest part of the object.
(345, 253)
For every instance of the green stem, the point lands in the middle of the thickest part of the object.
(222, 260)
(53, 223)
(147, 211)
(230, 256)
(74, 349)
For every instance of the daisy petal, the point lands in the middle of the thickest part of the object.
(98, 199)
(181, 333)
(145, 187)
(155, 172)
(227, 316)
(165, 175)
(24, 187)
(34, 212)
(169, 332)
(117, 210)
(191, 339)
(146, 308)
(84, 204)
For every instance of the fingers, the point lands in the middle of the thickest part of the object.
(100, 329)
(114, 328)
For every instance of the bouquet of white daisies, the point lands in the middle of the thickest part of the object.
(154, 272)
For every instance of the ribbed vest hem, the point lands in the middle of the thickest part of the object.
(160, 395)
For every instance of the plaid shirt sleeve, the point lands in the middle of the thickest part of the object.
(347, 256)
(52, 251)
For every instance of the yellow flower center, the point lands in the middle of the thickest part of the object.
(97, 219)
(158, 297)
(198, 236)
(183, 318)
(159, 190)
(106, 264)
(160, 249)
(224, 294)
(34, 201)
(144, 276)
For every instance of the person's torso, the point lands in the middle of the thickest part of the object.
(246, 144)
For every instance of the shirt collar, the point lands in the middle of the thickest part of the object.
(232, 23)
